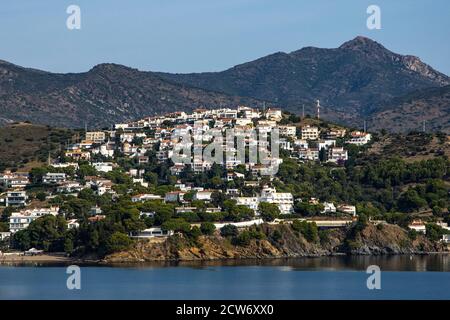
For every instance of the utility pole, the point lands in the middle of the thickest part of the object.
(365, 126)
(303, 111)
(424, 126)
(318, 109)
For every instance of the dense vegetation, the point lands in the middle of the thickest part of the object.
(385, 187)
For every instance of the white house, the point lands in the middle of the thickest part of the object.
(288, 131)
(325, 144)
(203, 195)
(22, 219)
(54, 177)
(328, 207)
(145, 197)
(345, 208)
(359, 138)
(250, 202)
(103, 166)
(69, 187)
(151, 233)
(284, 200)
(174, 196)
(72, 224)
(274, 114)
(310, 133)
(96, 136)
(16, 198)
(418, 226)
(337, 155)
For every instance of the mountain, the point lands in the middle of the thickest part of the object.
(354, 81)
(106, 94)
(408, 112)
(354, 78)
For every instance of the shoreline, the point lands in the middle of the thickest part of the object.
(48, 258)
(58, 259)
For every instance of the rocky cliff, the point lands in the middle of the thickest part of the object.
(389, 239)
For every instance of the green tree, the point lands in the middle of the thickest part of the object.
(268, 211)
(85, 170)
(207, 228)
(229, 230)
(308, 229)
(118, 241)
(434, 232)
(177, 225)
(410, 201)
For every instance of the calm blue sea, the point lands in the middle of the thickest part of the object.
(311, 278)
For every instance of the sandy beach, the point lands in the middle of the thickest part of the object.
(44, 258)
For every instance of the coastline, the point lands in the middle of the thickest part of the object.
(48, 258)
(59, 259)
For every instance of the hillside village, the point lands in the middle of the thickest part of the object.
(123, 184)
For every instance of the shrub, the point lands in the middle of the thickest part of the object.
(276, 235)
(243, 239)
(207, 228)
(229, 230)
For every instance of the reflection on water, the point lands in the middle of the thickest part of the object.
(402, 277)
(435, 262)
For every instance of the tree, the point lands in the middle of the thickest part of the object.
(229, 230)
(434, 232)
(177, 225)
(151, 177)
(308, 229)
(243, 239)
(194, 233)
(118, 241)
(36, 174)
(68, 245)
(41, 196)
(207, 228)
(410, 201)
(46, 233)
(268, 211)
(188, 196)
(86, 170)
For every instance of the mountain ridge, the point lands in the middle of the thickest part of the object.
(331, 75)
(353, 82)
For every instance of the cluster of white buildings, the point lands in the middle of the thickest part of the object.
(163, 134)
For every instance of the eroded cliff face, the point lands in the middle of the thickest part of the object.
(389, 239)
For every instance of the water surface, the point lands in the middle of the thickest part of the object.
(402, 277)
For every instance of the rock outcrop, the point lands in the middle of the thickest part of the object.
(388, 239)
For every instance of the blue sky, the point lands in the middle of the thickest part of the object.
(210, 35)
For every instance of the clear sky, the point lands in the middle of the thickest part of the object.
(210, 35)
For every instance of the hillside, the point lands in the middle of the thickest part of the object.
(106, 94)
(23, 144)
(408, 112)
(353, 78)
